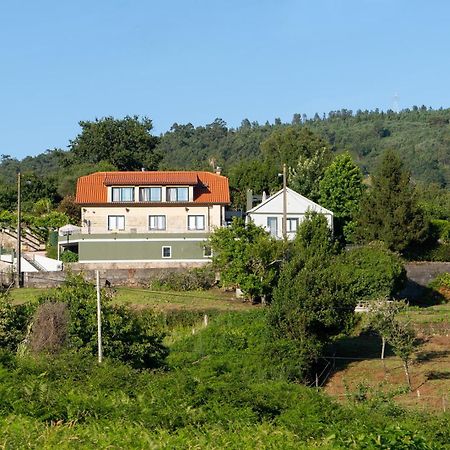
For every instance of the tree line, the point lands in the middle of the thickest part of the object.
(321, 153)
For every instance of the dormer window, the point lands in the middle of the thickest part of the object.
(177, 194)
(122, 194)
(150, 194)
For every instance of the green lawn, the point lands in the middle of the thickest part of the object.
(169, 300)
(430, 314)
(162, 300)
(26, 294)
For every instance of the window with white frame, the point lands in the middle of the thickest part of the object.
(122, 194)
(150, 194)
(272, 225)
(292, 224)
(196, 222)
(116, 223)
(167, 252)
(156, 222)
(177, 194)
(207, 251)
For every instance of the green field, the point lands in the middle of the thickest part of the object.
(160, 300)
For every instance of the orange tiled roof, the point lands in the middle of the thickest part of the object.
(150, 178)
(208, 187)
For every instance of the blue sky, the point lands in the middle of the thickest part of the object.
(192, 61)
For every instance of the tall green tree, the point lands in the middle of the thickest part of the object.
(305, 176)
(310, 303)
(390, 212)
(305, 153)
(126, 143)
(247, 257)
(341, 190)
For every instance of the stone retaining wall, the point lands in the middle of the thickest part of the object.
(419, 275)
(116, 277)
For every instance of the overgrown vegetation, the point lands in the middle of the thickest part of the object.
(221, 390)
(197, 279)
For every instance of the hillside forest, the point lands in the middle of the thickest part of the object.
(252, 156)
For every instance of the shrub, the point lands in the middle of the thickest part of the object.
(430, 251)
(129, 336)
(371, 271)
(440, 230)
(50, 326)
(198, 279)
(13, 322)
(68, 256)
(441, 281)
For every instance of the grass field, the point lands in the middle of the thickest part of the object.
(160, 300)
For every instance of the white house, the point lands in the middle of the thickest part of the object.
(269, 213)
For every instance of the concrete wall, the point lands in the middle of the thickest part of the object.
(419, 276)
(117, 277)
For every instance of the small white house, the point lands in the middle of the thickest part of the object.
(269, 213)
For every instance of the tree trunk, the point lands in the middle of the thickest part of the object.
(383, 348)
(408, 378)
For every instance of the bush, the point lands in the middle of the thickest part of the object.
(68, 256)
(198, 279)
(49, 330)
(441, 281)
(129, 336)
(430, 251)
(440, 230)
(13, 322)
(371, 271)
(311, 302)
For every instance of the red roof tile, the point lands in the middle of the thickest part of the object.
(208, 187)
(150, 178)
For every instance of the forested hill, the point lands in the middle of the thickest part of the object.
(421, 137)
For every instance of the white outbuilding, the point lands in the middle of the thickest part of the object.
(269, 213)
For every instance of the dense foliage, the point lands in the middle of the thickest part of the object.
(390, 212)
(371, 271)
(13, 322)
(197, 279)
(129, 336)
(341, 190)
(247, 257)
(127, 144)
(218, 393)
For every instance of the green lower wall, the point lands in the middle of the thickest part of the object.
(139, 251)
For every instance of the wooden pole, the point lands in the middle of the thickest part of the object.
(284, 223)
(19, 235)
(99, 319)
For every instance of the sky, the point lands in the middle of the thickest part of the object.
(195, 60)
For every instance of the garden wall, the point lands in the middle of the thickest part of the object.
(419, 276)
(116, 277)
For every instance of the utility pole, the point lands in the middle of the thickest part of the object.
(99, 320)
(284, 222)
(19, 235)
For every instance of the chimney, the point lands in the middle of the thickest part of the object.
(142, 169)
(218, 170)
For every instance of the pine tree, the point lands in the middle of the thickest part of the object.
(390, 212)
